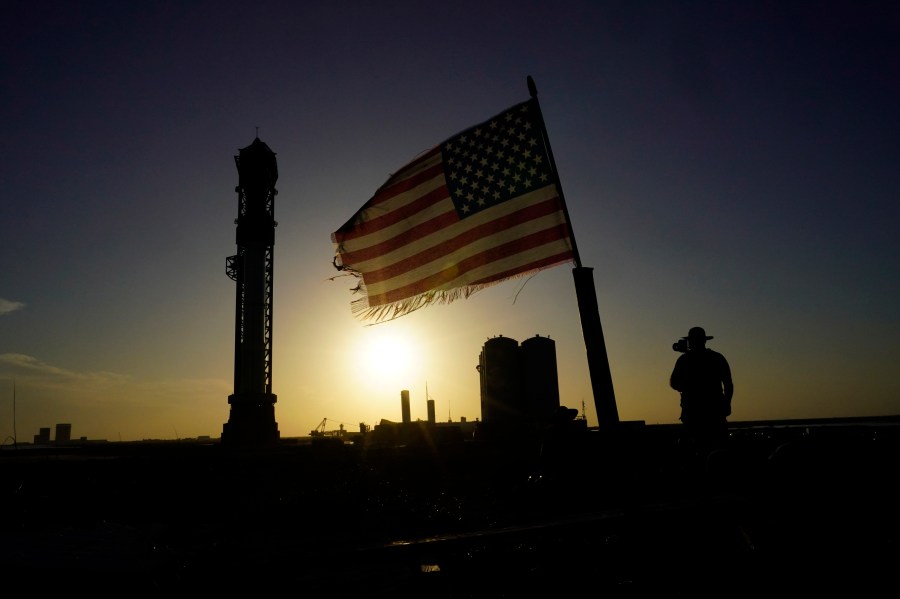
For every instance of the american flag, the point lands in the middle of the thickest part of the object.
(478, 209)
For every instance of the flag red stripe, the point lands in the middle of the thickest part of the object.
(373, 221)
(531, 266)
(505, 250)
(408, 176)
(407, 237)
(367, 220)
(448, 246)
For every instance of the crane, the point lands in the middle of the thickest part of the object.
(320, 431)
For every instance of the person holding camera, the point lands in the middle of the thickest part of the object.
(703, 377)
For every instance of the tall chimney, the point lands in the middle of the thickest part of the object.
(404, 406)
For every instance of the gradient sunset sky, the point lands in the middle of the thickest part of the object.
(730, 165)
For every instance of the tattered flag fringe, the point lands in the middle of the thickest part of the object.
(361, 309)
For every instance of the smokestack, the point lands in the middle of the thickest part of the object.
(404, 406)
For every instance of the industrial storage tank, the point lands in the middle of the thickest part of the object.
(540, 380)
(499, 367)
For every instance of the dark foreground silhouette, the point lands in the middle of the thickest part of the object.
(702, 377)
(793, 508)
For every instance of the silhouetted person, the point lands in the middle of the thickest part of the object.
(703, 377)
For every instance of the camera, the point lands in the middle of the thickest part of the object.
(681, 345)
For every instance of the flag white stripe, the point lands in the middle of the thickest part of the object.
(479, 246)
(441, 236)
(387, 233)
(402, 199)
(557, 246)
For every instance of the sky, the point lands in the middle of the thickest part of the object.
(726, 165)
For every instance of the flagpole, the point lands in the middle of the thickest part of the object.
(598, 360)
(532, 90)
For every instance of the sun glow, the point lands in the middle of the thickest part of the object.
(390, 358)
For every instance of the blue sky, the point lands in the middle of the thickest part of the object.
(727, 165)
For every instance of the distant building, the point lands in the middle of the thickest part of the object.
(43, 437)
(418, 433)
(63, 433)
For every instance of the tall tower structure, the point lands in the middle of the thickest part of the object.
(251, 421)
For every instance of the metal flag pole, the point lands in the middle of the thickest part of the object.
(598, 360)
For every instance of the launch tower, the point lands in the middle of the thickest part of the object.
(251, 421)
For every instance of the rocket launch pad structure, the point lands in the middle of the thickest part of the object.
(251, 421)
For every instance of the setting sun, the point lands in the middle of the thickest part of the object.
(390, 357)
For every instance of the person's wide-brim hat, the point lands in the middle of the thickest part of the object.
(697, 333)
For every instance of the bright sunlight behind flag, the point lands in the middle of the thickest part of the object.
(478, 209)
